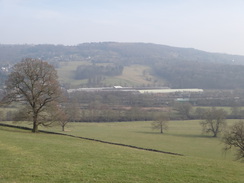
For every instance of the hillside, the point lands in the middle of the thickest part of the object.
(169, 66)
(141, 53)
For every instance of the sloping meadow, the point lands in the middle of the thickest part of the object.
(27, 157)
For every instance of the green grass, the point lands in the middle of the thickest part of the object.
(27, 157)
(184, 137)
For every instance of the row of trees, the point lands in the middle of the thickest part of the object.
(98, 112)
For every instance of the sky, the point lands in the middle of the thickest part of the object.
(209, 25)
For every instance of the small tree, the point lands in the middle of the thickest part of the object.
(161, 123)
(34, 83)
(58, 114)
(214, 121)
(65, 112)
(234, 137)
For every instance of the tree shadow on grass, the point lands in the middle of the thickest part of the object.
(144, 132)
(176, 135)
(192, 136)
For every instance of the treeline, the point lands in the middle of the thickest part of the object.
(186, 74)
(92, 71)
(129, 106)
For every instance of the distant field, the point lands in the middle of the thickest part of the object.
(67, 70)
(27, 157)
(135, 75)
(226, 109)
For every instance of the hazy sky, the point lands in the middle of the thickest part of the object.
(210, 25)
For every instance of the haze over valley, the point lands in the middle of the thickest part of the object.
(121, 91)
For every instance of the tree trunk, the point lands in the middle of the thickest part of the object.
(63, 128)
(215, 134)
(35, 125)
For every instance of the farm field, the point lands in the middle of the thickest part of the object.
(134, 75)
(66, 72)
(27, 157)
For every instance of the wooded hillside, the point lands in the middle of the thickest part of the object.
(179, 67)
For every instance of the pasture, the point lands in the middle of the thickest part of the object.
(27, 157)
(183, 137)
(134, 75)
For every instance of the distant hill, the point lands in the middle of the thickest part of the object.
(107, 51)
(178, 67)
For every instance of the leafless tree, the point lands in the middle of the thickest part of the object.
(34, 83)
(214, 121)
(65, 112)
(234, 137)
(161, 122)
(58, 114)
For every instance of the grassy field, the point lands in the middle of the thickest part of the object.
(27, 157)
(184, 137)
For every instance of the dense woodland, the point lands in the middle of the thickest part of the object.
(179, 67)
(193, 74)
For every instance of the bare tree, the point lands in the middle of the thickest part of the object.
(34, 83)
(161, 122)
(63, 120)
(234, 137)
(214, 121)
(65, 113)
(58, 114)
